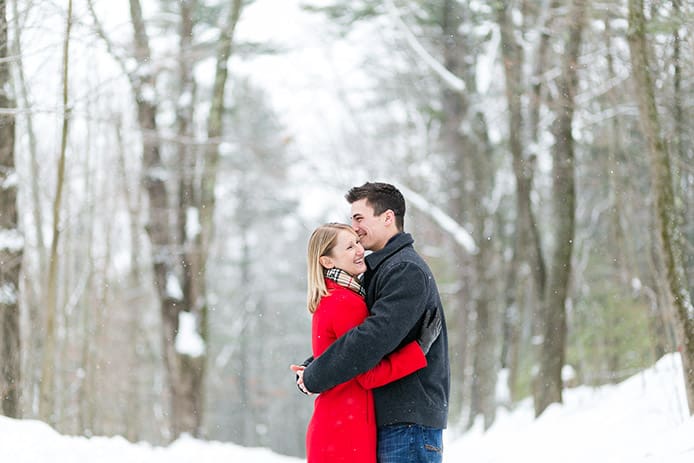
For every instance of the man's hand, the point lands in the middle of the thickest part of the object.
(299, 370)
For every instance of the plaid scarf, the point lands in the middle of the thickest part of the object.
(343, 278)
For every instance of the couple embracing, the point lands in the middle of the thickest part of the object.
(379, 341)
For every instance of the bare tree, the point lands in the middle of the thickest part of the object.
(662, 180)
(179, 248)
(47, 388)
(11, 242)
(214, 124)
(472, 173)
(188, 369)
(134, 294)
(196, 204)
(527, 257)
(549, 384)
(201, 193)
(31, 294)
(454, 107)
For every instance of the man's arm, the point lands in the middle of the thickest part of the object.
(399, 305)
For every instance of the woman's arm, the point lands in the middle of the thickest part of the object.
(399, 364)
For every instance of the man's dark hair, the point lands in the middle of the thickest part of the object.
(380, 196)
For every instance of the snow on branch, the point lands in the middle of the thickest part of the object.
(8, 294)
(173, 287)
(453, 81)
(11, 240)
(445, 221)
(188, 340)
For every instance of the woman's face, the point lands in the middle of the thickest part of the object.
(347, 255)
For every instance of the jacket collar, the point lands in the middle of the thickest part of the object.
(393, 245)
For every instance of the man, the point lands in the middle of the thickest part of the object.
(400, 289)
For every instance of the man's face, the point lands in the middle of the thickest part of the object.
(372, 230)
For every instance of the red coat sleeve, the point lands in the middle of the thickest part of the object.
(396, 365)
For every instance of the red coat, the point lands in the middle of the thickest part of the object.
(343, 426)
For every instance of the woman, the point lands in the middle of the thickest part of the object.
(343, 426)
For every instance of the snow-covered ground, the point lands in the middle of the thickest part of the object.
(642, 420)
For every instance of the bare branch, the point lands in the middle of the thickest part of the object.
(451, 80)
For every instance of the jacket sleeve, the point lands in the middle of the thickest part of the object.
(400, 303)
(397, 365)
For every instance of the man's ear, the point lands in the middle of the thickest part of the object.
(390, 217)
(326, 262)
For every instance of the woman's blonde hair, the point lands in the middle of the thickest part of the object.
(322, 241)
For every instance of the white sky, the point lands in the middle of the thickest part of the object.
(642, 420)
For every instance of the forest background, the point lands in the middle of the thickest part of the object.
(162, 164)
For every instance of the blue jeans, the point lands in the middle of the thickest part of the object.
(409, 443)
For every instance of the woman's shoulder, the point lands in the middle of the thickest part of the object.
(339, 297)
(341, 294)
(341, 310)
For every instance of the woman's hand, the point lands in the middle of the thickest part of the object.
(299, 370)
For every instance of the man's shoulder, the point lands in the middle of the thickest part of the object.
(407, 256)
(399, 253)
(406, 266)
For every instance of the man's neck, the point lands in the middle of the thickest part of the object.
(385, 242)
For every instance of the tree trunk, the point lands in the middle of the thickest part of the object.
(486, 361)
(159, 227)
(525, 170)
(136, 403)
(11, 242)
(548, 387)
(32, 289)
(662, 182)
(47, 388)
(682, 155)
(185, 371)
(89, 346)
(453, 112)
(471, 178)
(614, 171)
(199, 199)
(472, 171)
(528, 255)
(246, 428)
(214, 128)
(527, 250)
(188, 389)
